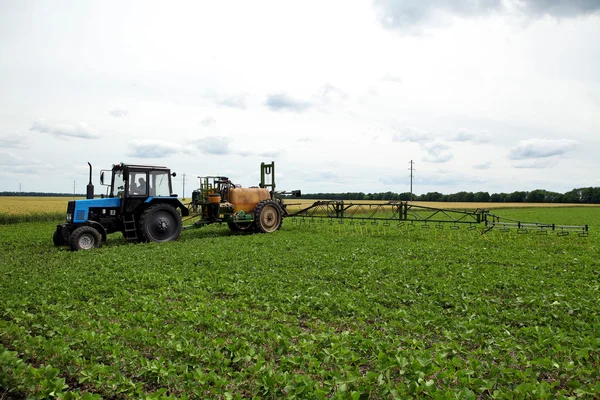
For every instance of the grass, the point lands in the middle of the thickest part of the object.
(311, 311)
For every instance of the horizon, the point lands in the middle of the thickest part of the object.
(67, 194)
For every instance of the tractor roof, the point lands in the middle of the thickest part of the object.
(123, 166)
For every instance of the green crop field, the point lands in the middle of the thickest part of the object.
(315, 310)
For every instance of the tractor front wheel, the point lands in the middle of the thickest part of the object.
(84, 238)
(160, 223)
(58, 239)
(268, 216)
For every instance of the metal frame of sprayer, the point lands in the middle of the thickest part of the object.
(406, 213)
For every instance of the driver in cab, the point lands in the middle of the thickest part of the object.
(140, 188)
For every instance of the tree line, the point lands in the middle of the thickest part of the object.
(589, 195)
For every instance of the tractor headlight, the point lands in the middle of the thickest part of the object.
(69, 217)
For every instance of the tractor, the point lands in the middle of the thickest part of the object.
(140, 203)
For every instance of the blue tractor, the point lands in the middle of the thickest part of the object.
(140, 204)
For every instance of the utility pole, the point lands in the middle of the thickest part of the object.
(183, 187)
(20, 188)
(73, 188)
(411, 178)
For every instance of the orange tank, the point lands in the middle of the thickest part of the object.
(214, 198)
(246, 199)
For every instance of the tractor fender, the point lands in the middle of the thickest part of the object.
(173, 201)
(97, 226)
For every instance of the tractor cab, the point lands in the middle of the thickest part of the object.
(137, 184)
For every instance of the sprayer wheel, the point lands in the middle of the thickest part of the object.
(268, 216)
(241, 226)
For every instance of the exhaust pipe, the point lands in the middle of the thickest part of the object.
(90, 186)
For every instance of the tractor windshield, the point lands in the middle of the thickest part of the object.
(159, 183)
(118, 186)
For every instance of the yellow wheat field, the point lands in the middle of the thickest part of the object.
(28, 205)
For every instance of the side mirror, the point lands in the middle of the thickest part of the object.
(108, 178)
(174, 174)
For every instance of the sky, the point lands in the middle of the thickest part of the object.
(482, 95)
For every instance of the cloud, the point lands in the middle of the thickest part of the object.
(327, 95)
(282, 102)
(410, 134)
(444, 178)
(304, 139)
(270, 153)
(391, 78)
(436, 152)
(154, 149)
(464, 135)
(540, 148)
(12, 170)
(9, 158)
(219, 146)
(401, 14)
(394, 180)
(238, 101)
(434, 146)
(118, 113)
(216, 145)
(233, 101)
(323, 176)
(76, 130)
(405, 14)
(13, 164)
(485, 165)
(537, 163)
(561, 8)
(12, 141)
(331, 94)
(328, 175)
(208, 121)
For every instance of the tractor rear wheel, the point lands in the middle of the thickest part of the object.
(84, 238)
(241, 226)
(160, 223)
(268, 216)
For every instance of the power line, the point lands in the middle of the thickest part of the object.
(411, 178)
